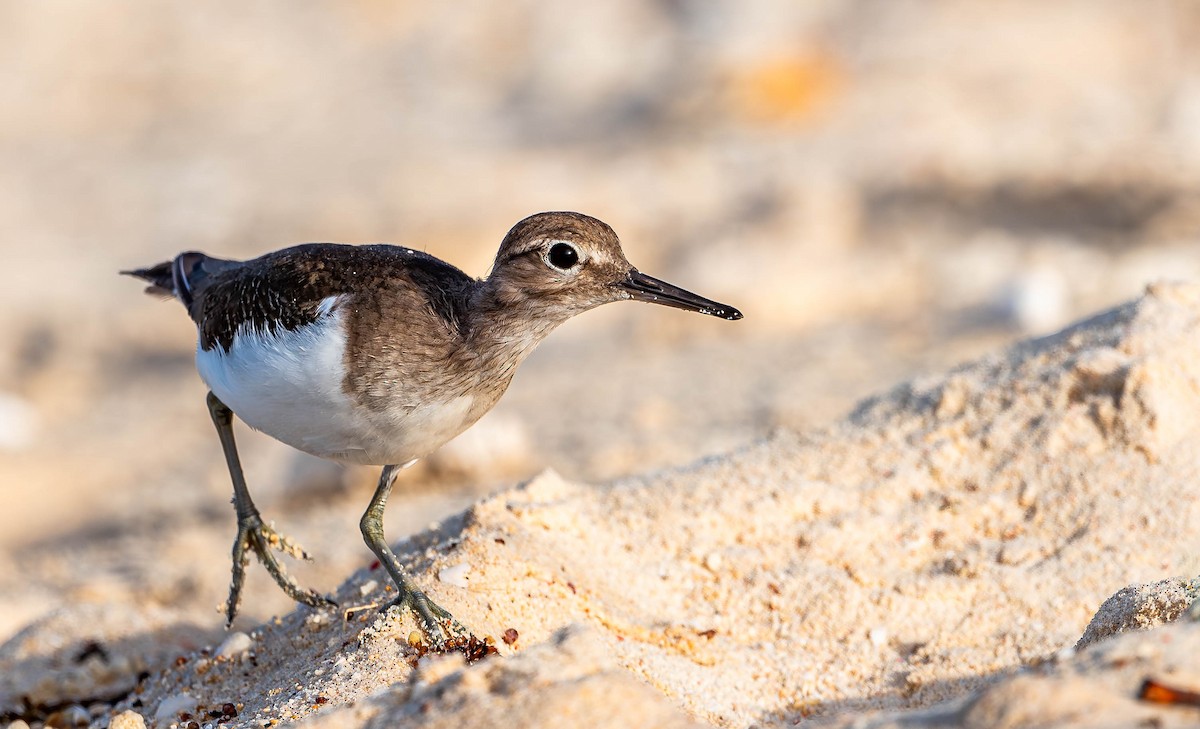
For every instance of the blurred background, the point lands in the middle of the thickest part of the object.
(884, 187)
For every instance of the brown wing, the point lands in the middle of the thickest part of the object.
(285, 289)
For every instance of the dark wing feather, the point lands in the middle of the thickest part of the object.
(285, 289)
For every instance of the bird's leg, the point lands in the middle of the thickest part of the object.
(436, 620)
(252, 532)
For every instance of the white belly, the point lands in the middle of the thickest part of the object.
(290, 385)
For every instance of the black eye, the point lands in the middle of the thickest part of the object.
(563, 256)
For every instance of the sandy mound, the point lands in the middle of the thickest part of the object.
(1139, 607)
(1104, 687)
(944, 535)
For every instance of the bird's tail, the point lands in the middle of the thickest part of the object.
(181, 278)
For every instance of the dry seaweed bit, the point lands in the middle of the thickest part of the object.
(510, 636)
(227, 712)
(476, 650)
(73, 715)
(472, 648)
(351, 611)
(1160, 693)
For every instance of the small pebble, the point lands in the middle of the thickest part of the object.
(1038, 299)
(128, 720)
(712, 561)
(368, 587)
(234, 644)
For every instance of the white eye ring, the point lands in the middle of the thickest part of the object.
(563, 256)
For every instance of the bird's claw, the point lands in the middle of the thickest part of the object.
(261, 538)
(442, 630)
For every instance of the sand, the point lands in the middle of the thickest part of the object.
(951, 538)
(885, 189)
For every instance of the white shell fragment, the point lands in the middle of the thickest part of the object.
(171, 707)
(456, 575)
(18, 422)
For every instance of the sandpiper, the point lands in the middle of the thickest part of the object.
(378, 354)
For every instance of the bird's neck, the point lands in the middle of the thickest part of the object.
(506, 325)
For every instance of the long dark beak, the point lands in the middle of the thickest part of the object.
(647, 288)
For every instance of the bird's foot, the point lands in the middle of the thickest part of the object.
(442, 630)
(261, 538)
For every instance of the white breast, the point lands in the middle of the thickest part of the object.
(290, 385)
